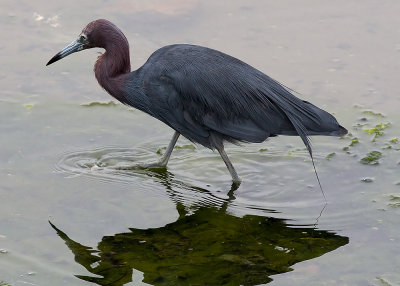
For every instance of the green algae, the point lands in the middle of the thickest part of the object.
(354, 141)
(377, 130)
(393, 144)
(372, 158)
(394, 201)
(296, 152)
(185, 147)
(370, 112)
(97, 103)
(161, 150)
(330, 155)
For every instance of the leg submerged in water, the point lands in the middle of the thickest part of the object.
(164, 159)
(235, 178)
(159, 164)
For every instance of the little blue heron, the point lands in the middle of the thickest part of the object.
(207, 96)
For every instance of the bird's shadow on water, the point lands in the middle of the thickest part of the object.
(206, 245)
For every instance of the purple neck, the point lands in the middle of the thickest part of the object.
(112, 67)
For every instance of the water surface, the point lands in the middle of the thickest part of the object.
(185, 224)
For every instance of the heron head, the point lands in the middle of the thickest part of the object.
(96, 34)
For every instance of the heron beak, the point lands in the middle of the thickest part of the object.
(74, 47)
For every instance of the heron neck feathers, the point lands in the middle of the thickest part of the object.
(112, 67)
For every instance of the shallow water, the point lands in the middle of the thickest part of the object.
(186, 225)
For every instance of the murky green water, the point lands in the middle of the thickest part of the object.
(185, 225)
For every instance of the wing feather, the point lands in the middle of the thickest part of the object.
(199, 91)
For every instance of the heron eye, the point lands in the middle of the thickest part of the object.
(83, 38)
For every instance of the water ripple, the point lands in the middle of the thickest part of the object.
(274, 180)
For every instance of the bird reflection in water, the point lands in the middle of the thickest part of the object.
(208, 246)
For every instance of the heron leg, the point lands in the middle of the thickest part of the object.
(160, 163)
(235, 178)
(165, 157)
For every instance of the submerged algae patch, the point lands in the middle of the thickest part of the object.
(354, 141)
(372, 158)
(371, 126)
(186, 146)
(330, 155)
(377, 130)
(161, 150)
(97, 103)
(370, 112)
(394, 202)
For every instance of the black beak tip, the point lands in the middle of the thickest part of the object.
(54, 59)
